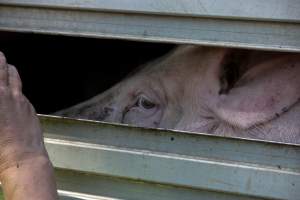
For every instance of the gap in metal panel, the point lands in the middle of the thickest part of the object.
(60, 71)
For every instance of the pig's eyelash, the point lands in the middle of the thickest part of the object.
(255, 131)
(145, 103)
(208, 117)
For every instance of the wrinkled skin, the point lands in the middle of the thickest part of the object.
(25, 169)
(220, 91)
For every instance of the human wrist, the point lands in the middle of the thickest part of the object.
(16, 152)
(33, 177)
(29, 161)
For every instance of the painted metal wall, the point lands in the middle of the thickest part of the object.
(125, 162)
(269, 24)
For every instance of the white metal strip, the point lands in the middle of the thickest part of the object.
(276, 155)
(226, 176)
(175, 29)
(274, 10)
(84, 185)
(69, 195)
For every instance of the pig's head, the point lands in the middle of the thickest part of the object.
(212, 90)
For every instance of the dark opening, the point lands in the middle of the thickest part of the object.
(59, 71)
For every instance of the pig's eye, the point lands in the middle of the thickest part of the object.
(143, 102)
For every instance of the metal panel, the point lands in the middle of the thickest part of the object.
(76, 185)
(277, 26)
(184, 160)
(274, 10)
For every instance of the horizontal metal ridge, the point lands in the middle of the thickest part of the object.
(253, 25)
(203, 162)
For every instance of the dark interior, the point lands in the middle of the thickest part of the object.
(60, 71)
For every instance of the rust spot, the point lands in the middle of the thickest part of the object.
(278, 166)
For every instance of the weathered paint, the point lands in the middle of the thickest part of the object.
(272, 10)
(234, 167)
(271, 24)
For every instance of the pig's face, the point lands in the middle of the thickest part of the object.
(212, 90)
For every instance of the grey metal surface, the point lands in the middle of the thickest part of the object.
(273, 10)
(76, 185)
(200, 162)
(270, 24)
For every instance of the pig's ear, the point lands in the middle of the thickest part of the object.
(263, 92)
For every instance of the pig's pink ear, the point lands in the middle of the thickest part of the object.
(264, 92)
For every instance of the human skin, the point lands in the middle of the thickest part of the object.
(25, 169)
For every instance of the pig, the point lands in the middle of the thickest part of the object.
(219, 91)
